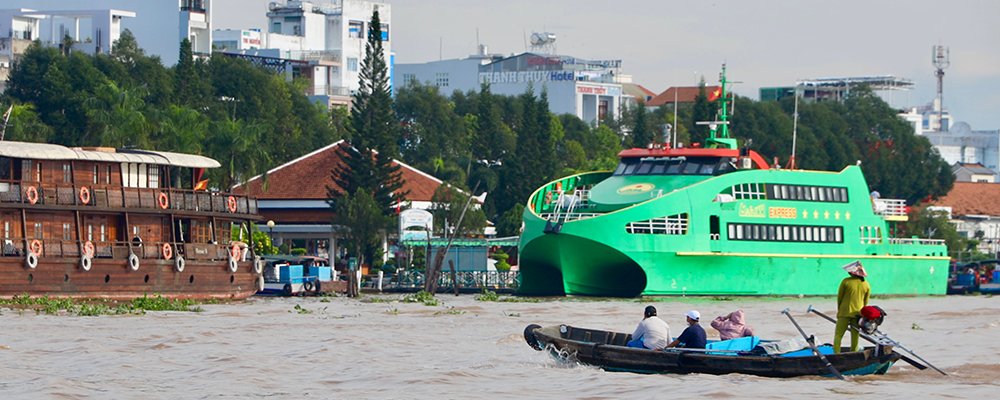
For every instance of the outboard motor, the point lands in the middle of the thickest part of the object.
(871, 318)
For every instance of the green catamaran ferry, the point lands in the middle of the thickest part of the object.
(717, 220)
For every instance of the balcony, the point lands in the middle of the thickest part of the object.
(112, 198)
(318, 56)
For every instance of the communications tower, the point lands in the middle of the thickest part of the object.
(939, 57)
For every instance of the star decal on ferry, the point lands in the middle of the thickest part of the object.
(805, 214)
(836, 215)
(826, 215)
(815, 214)
(847, 215)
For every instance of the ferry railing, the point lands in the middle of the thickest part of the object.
(916, 241)
(891, 209)
(107, 196)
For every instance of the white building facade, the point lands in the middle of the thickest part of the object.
(158, 25)
(585, 88)
(334, 32)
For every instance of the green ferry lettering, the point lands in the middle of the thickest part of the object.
(783, 212)
(752, 211)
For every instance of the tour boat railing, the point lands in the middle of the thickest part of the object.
(890, 208)
(107, 196)
(916, 241)
(146, 250)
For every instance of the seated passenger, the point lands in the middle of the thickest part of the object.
(693, 336)
(652, 332)
(732, 326)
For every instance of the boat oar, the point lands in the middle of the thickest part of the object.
(874, 340)
(897, 344)
(812, 344)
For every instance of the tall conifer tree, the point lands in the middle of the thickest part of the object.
(374, 131)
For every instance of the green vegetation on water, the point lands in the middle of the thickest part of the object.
(88, 308)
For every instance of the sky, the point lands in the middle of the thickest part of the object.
(665, 43)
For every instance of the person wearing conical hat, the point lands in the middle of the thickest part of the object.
(851, 297)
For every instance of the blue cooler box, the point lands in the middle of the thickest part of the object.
(324, 274)
(291, 274)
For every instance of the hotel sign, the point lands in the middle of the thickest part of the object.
(526, 76)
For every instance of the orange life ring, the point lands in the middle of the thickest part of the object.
(31, 193)
(167, 251)
(163, 201)
(231, 204)
(234, 251)
(88, 248)
(36, 247)
(84, 195)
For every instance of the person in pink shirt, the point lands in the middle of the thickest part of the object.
(732, 326)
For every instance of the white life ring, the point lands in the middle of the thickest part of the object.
(179, 263)
(258, 265)
(133, 262)
(233, 266)
(31, 261)
(86, 263)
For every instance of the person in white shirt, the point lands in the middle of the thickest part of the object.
(652, 332)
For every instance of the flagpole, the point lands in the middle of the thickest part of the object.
(677, 126)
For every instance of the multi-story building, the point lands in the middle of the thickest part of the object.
(158, 25)
(89, 31)
(589, 89)
(322, 42)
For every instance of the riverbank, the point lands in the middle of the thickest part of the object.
(377, 347)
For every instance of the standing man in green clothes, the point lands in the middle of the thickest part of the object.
(852, 295)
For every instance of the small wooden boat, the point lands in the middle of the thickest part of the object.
(608, 350)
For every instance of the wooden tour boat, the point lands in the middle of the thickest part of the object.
(119, 224)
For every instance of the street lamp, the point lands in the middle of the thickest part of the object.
(270, 231)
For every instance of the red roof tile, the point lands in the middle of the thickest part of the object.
(967, 198)
(307, 177)
(685, 94)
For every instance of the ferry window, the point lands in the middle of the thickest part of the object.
(674, 168)
(732, 231)
(691, 168)
(707, 169)
(823, 193)
(813, 193)
(38, 230)
(658, 168)
(843, 194)
(644, 168)
(822, 234)
(154, 176)
(67, 173)
(67, 232)
(620, 169)
(5, 168)
(97, 174)
(809, 234)
(837, 235)
(38, 171)
(630, 168)
(102, 238)
(770, 233)
(107, 177)
(90, 232)
(6, 229)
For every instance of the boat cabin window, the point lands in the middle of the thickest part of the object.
(6, 169)
(139, 175)
(674, 166)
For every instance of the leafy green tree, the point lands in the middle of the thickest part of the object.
(447, 204)
(24, 125)
(431, 128)
(189, 79)
(116, 116)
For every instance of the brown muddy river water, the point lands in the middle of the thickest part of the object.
(348, 348)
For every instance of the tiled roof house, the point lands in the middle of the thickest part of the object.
(294, 195)
(975, 207)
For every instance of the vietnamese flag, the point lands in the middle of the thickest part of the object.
(715, 94)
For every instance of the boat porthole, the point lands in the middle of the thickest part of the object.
(146, 279)
(31, 277)
(66, 278)
(107, 278)
(191, 279)
(232, 278)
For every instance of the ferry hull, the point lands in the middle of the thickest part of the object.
(562, 263)
(112, 279)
